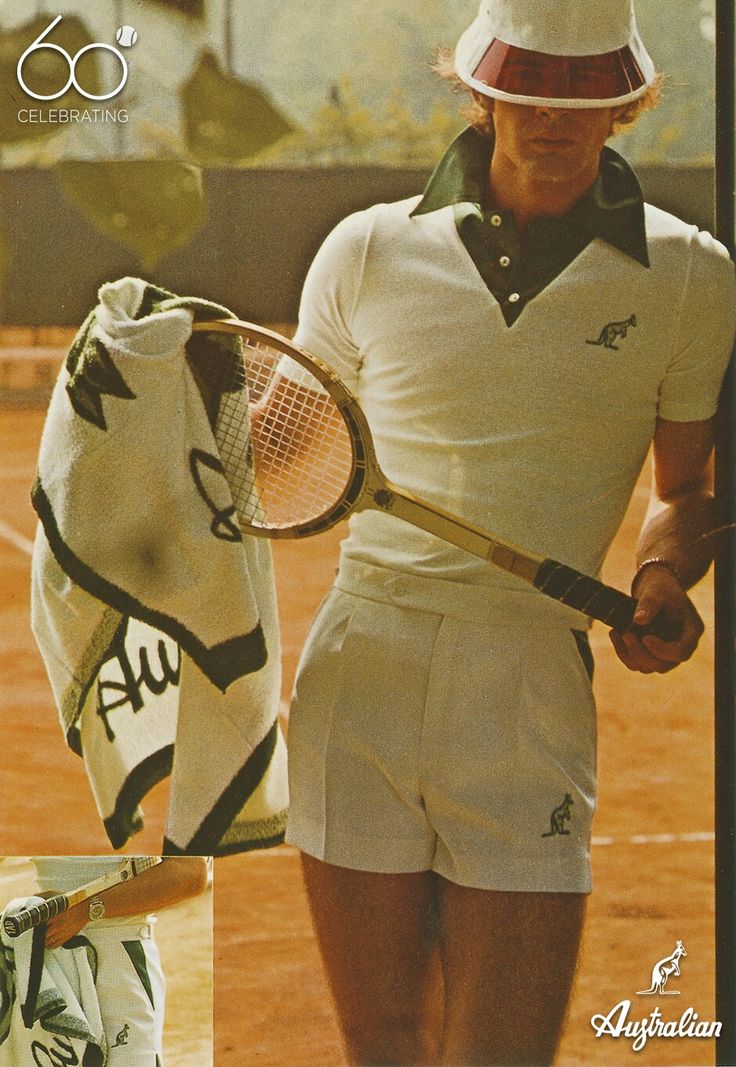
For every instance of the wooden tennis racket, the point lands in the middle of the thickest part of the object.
(298, 455)
(36, 914)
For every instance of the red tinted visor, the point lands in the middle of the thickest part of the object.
(518, 72)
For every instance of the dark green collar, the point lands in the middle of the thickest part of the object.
(612, 210)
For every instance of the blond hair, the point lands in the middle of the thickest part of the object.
(478, 109)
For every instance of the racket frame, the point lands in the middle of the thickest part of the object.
(367, 486)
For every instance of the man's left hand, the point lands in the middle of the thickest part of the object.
(658, 590)
(67, 925)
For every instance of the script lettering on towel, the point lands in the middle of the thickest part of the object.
(60, 1055)
(128, 686)
(222, 525)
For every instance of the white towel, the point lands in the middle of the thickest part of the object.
(51, 1001)
(156, 619)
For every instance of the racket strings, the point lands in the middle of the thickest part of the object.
(283, 442)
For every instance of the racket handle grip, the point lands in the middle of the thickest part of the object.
(15, 925)
(600, 601)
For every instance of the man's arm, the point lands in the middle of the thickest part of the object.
(681, 511)
(172, 880)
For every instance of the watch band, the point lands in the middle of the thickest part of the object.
(659, 561)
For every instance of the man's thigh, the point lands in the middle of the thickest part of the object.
(508, 961)
(377, 936)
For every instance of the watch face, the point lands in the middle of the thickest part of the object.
(96, 909)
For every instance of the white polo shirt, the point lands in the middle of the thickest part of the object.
(538, 430)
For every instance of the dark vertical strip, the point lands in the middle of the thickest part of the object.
(137, 955)
(228, 43)
(725, 573)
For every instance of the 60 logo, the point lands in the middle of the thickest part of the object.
(125, 36)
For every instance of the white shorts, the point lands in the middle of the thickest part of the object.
(424, 741)
(131, 991)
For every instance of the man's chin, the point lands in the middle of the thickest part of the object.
(554, 169)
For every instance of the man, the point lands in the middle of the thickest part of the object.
(118, 923)
(519, 337)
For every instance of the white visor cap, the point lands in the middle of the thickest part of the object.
(563, 53)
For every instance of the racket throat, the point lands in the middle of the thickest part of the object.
(478, 542)
(562, 583)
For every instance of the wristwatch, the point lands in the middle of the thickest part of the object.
(96, 910)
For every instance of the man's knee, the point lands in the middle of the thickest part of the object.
(401, 1039)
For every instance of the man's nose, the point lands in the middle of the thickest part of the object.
(552, 114)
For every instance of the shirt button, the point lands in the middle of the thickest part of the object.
(514, 298)
(496, 220)
(504, 261)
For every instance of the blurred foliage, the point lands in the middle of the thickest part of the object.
(150, 206)
(681, 129)
(44, 71)
(227, 120)
(344, 131)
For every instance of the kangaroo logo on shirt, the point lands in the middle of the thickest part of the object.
(559, 817)
(612, 332)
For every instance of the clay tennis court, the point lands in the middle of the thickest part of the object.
(653, 850)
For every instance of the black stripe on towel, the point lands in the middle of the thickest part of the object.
(223, 663)
(125, 819)
(216, 824)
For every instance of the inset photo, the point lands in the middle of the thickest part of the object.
(106, 960)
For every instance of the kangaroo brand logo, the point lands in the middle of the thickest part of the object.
(612, 332)
(126, 36)
(662, 971)
(122, 1037)
(619, 1024)
(559, 817)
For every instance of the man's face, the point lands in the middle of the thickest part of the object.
(551, 144)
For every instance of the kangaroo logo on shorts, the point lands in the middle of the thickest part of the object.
(122, 1038)
(559, 817)
(662, 971)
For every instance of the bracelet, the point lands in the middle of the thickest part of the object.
(660, 562)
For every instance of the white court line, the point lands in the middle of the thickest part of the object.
(634, 839)
(277, 853)
(655, 839)
(7, 533)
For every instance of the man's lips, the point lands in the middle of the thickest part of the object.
(553, 142)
